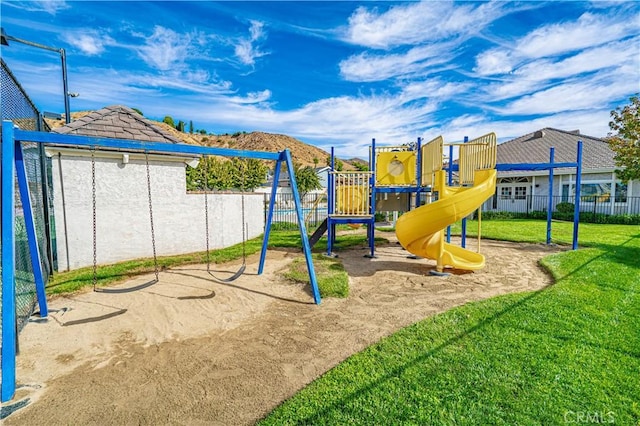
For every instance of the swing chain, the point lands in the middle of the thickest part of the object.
(244, 230)
(153, 235)
(206, 206)
(93, 204)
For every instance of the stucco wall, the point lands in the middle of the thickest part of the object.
(122, 214)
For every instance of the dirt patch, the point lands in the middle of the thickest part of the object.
(190, 351)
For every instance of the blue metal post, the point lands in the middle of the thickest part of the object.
(303, 231)
(463, 237)
(32, 237)
(550, 203)
(8, 349)
(418, 172)
(372, 203)
(331, 207)
(267, 229)
(576, 212)
(449, 182)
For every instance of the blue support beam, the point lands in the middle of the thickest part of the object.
(267, 229)
(550, 202)
(9, 337)
(29, 224)
(576, 212)
(303, 231)
(150, 147)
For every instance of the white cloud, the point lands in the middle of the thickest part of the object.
(48, 6)
(574, 95)
(556, 40)
(417, 22)
(588, 31)
(374, 67)
(494, 61)
(246, 49)
(539, 74)
(423, 37)
(90, 42)
(251, 98)
(165, 49)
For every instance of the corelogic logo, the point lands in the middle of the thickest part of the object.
(590, 417)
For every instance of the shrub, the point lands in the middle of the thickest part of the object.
(565, 207)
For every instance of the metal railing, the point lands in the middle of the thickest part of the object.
(314, 208)
(532, 204)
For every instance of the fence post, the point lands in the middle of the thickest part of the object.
(550, 204)
(8, 315)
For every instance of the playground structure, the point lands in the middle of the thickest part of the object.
(403, 178)
(13, 169)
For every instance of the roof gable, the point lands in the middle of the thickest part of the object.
(117, 121)
(535, 147)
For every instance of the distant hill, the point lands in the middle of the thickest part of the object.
(302, 153)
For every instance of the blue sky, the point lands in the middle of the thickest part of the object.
(337, 73)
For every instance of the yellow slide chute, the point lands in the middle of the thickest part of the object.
(420, 231)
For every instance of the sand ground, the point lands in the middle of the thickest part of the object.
(188, 350)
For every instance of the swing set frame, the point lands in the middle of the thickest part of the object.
(13, 167)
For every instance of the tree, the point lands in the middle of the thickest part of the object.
(138, 111)
(306, 178)
(222, 174)
(169, 120)
(337, 163)
(250, 174)
(191, 126)
(626, 140)
(363, 167)
(180, 126)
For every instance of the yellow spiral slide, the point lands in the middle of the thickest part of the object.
(420, 231)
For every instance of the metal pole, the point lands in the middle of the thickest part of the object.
(463, 237)
(576, 211)
(67, 110)
(63, 58)
(550, 202)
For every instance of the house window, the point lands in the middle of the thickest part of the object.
(595, 192)
(621, 192)
(565, 192)
(521, 193)
(505, 193)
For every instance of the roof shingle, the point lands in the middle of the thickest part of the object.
(534, 148)
(117, 121)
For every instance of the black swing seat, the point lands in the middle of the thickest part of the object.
(231, 278)
(125, 290)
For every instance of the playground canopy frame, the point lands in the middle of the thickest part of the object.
(419, 188)
(13, 167)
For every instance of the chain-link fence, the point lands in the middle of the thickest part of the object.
(17, 107)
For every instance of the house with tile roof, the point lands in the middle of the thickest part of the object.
(526, 191)
(117, 121)
(130, 187)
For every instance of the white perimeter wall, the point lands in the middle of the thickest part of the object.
(123, 225)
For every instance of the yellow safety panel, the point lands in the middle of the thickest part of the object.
(478, 154)
(431, 160)
(396, 168)
(352, 200)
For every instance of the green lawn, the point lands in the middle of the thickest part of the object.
(566, 354)
(535, 231)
